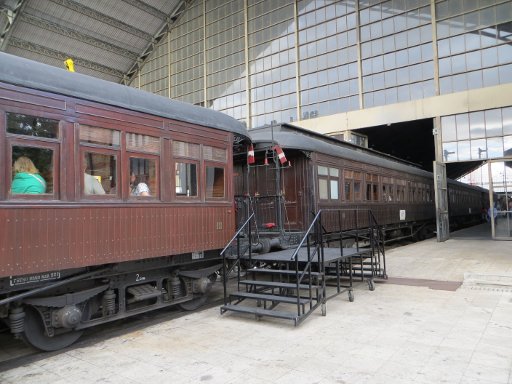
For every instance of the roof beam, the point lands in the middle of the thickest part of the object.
(11, 15)
(54, 54)
(147, 8)
(103, 18)
(74, 34)
(171, 19)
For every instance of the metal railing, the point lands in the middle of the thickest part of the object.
(237, 260)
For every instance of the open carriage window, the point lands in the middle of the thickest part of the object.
(143, 177)
(186, 168)
(215, 186)
(215, 183)
(143, 171)
(32, 170)
(186, 179)
(34, 149)
(100, 153)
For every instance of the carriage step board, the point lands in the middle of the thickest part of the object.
(143, 292)
(258, 312)
(276, 284)
(264, 297)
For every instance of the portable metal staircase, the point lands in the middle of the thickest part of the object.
(291, 284)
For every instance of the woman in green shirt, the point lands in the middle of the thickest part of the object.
(27, 179)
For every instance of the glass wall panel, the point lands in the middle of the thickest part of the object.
(472, 38)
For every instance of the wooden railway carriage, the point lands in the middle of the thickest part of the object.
(90, 249)
(321, 172)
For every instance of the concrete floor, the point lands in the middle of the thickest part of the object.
(409, 330)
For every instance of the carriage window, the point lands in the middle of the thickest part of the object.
(358, 194)
(334, 174)
(32, 171)
(101, 136)
(372, 187)
(99, 166)
(142, 143)
(387, 189)
(99, 174)
(349, 185)
(186, 179)
(143, 177)
(20, 124)
(214, 154)
(400, 190)
(322, 171)
(214, 182)
(328, 183)
(323, 192)
(182, 149)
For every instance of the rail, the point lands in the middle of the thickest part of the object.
(237, 261)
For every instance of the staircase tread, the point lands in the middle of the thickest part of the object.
(276, 284)
(280, 271)
(268, 297)
(260, 311)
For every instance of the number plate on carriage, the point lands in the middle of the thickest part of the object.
(197, 255)
(30, 279)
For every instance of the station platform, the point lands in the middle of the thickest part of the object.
(444, 315)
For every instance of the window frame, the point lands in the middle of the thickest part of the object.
(143, 155)
(13, 140)
(184, 197)
(214, 164)
(101, 151)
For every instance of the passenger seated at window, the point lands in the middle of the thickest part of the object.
(138, 185)
(92, 185)
(26, 178)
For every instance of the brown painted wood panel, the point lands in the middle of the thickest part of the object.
(43, 239)
(120, 116)
(49, 101)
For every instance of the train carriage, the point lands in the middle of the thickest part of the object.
(123, 207)
(321, 172)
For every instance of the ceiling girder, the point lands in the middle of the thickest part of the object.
(11, 17)
(147, 8)
(147, 51)
(103, 18)
(63, 56)
(74, 34)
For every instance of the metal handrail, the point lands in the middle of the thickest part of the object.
(318, 251)
(237, 261)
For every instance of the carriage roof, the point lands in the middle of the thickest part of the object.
(293, 137)
(31, 74)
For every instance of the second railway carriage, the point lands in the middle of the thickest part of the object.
(297, 172)
(124, 208)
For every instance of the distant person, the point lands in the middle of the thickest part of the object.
(138, 185)
(92, 186)
(493, 213)
(27, 179)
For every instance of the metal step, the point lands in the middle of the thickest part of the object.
(266, 297)
(257, 311)
(143, 292)
(281, 271)
(276, 284)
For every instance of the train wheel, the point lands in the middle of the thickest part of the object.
(35, 335)
(194, 304)
(199, 298)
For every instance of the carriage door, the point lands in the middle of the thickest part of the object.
(442, 220)
(293, 195)
(500, 196)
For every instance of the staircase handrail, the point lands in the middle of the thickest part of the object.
(237, 261)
